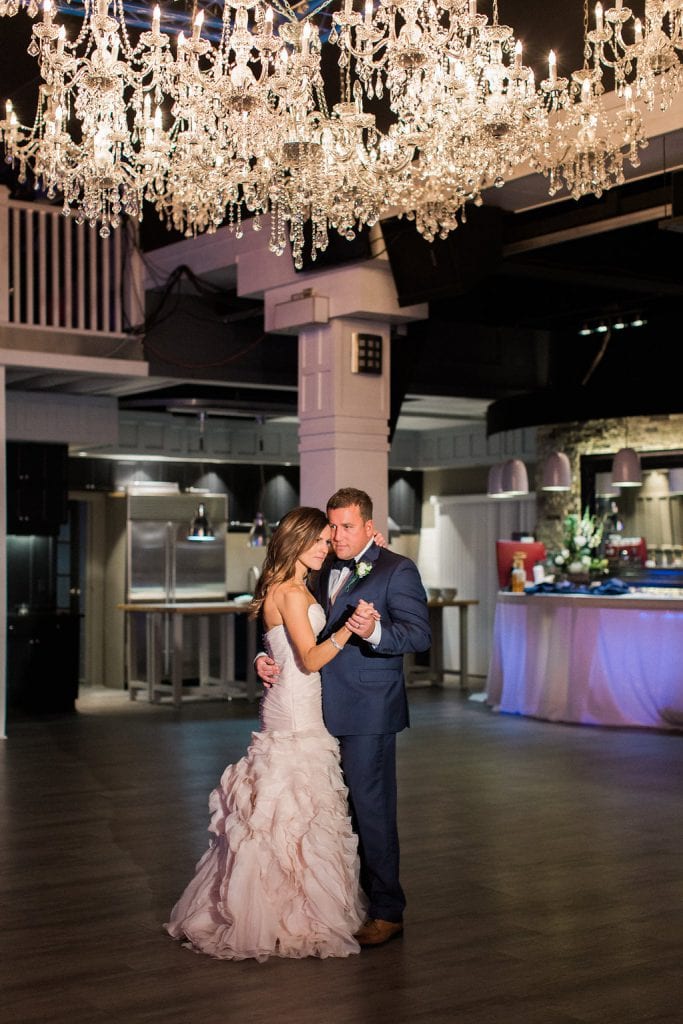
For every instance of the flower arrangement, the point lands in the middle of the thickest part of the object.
(581, 541)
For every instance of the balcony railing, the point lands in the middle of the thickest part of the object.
(58, 275)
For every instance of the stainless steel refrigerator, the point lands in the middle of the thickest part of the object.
(164, 566)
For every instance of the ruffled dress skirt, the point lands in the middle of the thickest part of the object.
(281, 875)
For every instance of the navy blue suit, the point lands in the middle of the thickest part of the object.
(365, 705)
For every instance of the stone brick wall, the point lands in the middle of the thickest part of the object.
(594, 437)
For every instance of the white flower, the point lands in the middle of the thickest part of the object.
(586, 559)
(362, 569)
(559, 559)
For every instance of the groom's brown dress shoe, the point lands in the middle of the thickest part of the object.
(376, 932)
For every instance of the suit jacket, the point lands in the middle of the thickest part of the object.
(363, 687)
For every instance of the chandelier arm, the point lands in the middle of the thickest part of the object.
(284, 9)
(364, 54)
(316, 10)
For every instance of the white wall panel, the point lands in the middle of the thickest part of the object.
(463, 555)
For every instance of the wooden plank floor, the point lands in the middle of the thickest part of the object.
(543, 867)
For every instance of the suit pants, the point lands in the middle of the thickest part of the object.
(369, 766)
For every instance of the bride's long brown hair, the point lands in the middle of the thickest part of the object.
(297, 531)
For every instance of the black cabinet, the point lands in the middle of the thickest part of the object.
(37, 488)
(42, 662)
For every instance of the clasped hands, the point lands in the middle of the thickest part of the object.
(362, 619)
(361, 622)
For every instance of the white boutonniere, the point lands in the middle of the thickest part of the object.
(362, 570)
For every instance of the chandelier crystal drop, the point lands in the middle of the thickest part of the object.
(210, 127)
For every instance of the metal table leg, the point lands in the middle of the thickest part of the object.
(177, 658)
(464, 667)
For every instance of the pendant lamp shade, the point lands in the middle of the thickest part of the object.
(494, 488)
(626, 471)
(676, 481)
(604, 488)
(557, 473)
(515, 479)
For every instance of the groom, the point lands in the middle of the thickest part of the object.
(364, 697)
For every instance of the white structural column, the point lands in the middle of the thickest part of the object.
(343, 415)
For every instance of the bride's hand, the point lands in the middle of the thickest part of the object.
(379, 539)
(363, 619)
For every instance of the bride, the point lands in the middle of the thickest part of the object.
(281, 875)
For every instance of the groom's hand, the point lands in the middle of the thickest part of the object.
(363, 619)
(267, 670)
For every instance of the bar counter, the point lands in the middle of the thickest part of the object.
(589, 659)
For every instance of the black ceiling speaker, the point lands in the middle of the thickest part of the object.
(445, 267)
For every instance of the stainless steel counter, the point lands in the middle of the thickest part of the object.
(168, 618)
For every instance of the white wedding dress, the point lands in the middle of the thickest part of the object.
(280, 877)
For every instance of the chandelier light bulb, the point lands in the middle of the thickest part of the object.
(305, 37)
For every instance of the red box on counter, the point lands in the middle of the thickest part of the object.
(631, 549)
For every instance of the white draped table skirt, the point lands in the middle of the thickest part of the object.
(592, 660)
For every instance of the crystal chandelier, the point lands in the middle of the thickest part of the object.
(211, 127)
(458, 90)
(587, 142)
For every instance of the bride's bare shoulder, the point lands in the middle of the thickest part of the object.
(289, 592)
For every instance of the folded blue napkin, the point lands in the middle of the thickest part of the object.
(613, 587)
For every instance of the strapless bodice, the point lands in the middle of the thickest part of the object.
(294, 703)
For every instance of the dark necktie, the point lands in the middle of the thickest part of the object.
(344, 563)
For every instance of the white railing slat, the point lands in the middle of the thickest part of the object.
(80, 271)
(118, 292)
(17, 270)
(56, 247)
(92, 298)
(68, 226)
(105, 276)
(28, 269)
(42, 269)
